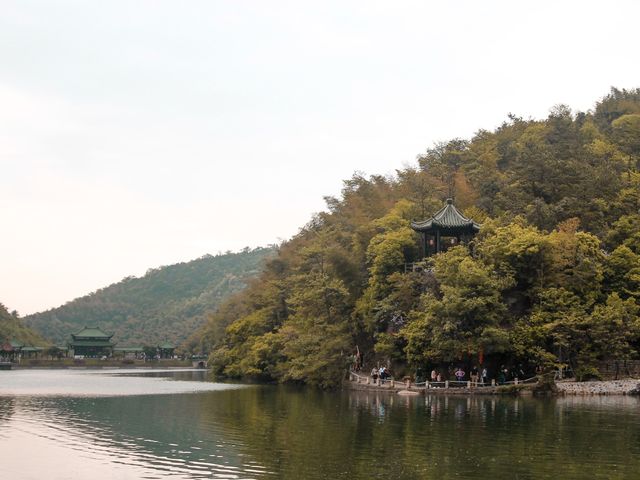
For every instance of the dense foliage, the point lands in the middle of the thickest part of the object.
(168, 303)
(553, 277)
(13, 328)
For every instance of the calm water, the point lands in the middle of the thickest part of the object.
(75, 424)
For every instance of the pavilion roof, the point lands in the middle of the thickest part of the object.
(166, 346)
(448, 219)
(91, 343)
(91, 332)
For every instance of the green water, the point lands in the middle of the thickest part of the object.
(156, 427)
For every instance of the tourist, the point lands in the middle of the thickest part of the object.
(474, 375)
(439, 377)
(374, 374)
(502, 376)
(484, 376)
(460, 374)
(434, 375)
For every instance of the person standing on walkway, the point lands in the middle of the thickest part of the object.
(502, 376)
(484, 376)
(460, 374)
(474, 376)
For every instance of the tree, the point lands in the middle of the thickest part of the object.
(315, 339)
(465, 317)
(517, 251)
(576, 261)
(614, 329)
(388, 251)
(622, 273)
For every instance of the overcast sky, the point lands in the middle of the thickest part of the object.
(135, 134)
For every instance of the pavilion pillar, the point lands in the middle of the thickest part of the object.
(425, 245)
(438, 241)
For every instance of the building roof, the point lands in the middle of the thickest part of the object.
(16, 344)
(90, 343)
(32, 349)
(166, 346)
(91, 332)
(129, 349)
(447, 219)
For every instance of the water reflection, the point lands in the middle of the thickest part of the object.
(265, 431)
(7, 409)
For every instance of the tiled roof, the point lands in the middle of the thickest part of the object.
(91, 332)
(129, 349)
(90, 343)
(447, 218)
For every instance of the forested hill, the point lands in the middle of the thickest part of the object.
(13, 328)
(553, 277)
(168, 303)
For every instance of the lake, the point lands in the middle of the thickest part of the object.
(78, 424)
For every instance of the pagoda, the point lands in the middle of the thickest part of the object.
(447, 227)
(91, 342)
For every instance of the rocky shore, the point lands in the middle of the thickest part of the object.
(610, 387)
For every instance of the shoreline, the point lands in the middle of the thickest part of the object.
(622, 387)
(627, 386)
(106, 367)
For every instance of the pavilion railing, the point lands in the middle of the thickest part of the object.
(417, 267)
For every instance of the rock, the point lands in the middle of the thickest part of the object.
(407, 392)
(612, 387)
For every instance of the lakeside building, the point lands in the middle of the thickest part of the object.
(31, 351)
(129, 353)
(445, 229)
(11, 350)
(91, 342)
(165, 350)
(14, 351)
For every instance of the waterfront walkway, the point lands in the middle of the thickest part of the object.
(357, 381)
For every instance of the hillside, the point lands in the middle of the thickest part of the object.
(553, 277)
(168, 303)
(13, 328)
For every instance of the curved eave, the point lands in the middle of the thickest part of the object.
(421, 226)
(431, 226)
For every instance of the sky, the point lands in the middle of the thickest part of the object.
(135, 134)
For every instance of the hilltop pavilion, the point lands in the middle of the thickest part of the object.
(91, 342)
(447, 227)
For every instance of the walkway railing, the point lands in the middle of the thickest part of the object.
(391, 383)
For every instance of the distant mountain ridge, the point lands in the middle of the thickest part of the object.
(167, 303)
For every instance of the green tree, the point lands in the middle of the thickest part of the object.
(465, 317)
(614, 330)
(622, 273)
